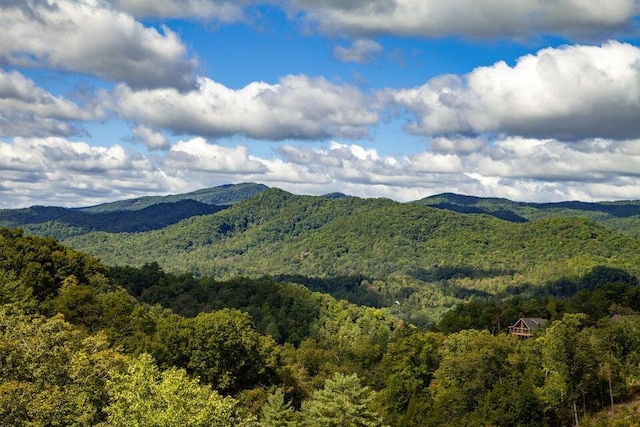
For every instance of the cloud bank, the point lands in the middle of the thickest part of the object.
(75, 173)
(561, 123)
(28, 110)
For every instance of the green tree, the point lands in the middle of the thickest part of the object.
(566, 361)
(473, 364)
(343, 402)
(222, 348)
(408, 368)
(51, 374)
(14, 291)
(143, 396)
(277, 412)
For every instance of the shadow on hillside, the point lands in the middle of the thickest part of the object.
(78, 222)
(617, 209)
(448, 272)
(503, 214)
(566, 287)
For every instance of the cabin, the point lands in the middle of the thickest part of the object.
(525, 326)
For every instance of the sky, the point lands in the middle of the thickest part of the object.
(530, 100)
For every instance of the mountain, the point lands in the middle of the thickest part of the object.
(280, 233)
(420, 259)
(228, 194)
(131, 216)
(423, 258)
(621, 216)
(62, 223)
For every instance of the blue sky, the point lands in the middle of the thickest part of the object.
(530, 100)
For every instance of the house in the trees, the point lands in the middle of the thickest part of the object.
(525, 326)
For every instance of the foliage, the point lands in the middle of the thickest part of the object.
(143, 396)
(62, 223)
(342, 402)
(277, 412)
(619, 216)
(51, 373)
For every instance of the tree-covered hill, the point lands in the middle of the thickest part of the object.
(621, 216)
(418, 259)
(62, 223)
(132, 216)
(415, 255)
(280, 233)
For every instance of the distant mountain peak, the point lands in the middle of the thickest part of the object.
(227, 194)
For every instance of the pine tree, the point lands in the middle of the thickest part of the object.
(343, 402)
(277, 412)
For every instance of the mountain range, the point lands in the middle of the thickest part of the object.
(420, 258)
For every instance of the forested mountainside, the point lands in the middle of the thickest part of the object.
(85, 344)
(131, 216)
(622, 216)
(62, 223)
(421, 260)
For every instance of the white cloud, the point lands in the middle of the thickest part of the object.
(153, 140)
(457, 145)
(361, 51)
(298, 107)
(28, 110)
(56, 171)
(199, 155)
(471, 18)
(86, 36)
(569, 93)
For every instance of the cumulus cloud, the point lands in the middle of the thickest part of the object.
(516, 168)
(199, 155)
(28, 110)
(88, 37)
(361, 51)
(152, 139)
(471, 18)
(457, 145)
(297, 107)
(568, 93)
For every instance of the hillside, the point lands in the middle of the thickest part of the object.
(420, 260)
(280, 233)
(131, 216)
(424, 259)
(622, 216)
(77, 349)
(62, 223)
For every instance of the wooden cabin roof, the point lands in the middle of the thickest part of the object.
(525, 326)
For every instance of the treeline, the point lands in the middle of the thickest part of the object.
(77, 349)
